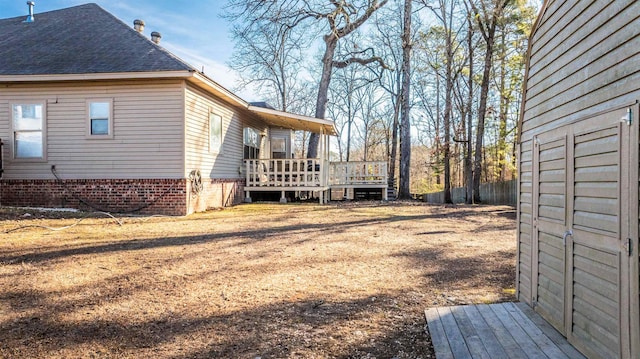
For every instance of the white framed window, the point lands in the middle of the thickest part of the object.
(215, 133)
(28, 126)
(100, 118)
(251, 139)
(278, 147)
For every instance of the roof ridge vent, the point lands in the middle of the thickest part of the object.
(155, 37)
(138, 25)
(30, 17)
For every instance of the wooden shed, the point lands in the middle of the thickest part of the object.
(578, 173)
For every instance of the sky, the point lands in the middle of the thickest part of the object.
(192, 30)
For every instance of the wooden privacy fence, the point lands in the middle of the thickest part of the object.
(490, 193)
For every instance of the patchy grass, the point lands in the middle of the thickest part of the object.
(260, 280)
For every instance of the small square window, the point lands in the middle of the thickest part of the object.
(100, 122)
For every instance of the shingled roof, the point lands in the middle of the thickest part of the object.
(83, 39)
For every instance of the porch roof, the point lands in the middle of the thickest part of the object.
(293, 121)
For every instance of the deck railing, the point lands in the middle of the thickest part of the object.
(313, 172)
(358, 173)
(308, 172)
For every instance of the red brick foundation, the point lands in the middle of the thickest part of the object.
(143, 196)
(215, 193)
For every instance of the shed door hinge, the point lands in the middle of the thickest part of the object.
(628, 118)
(628, 246)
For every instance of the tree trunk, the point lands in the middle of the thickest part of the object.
(394, 140)
(405, 125)
(447, 114)
(349, 122)
(482, 109)
(504, 107)
(447, 134)
(330, 42)
(468, 163)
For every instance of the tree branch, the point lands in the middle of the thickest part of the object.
(357, 60)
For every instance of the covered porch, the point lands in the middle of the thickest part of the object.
(313, 175)
(316, 176)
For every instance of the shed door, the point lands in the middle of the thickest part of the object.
(582, 222)
(550, 178)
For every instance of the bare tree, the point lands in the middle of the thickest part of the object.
(267, 55)
(444, 11)
(341, 24)
(488, 14)
(404, 188)
(342, 18)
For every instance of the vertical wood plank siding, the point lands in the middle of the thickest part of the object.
(228, 162)
(148, 130)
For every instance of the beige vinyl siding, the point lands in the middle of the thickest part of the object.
(5, 128)
(577, 73)
(228, 162)
(147, 127)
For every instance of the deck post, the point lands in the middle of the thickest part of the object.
(247, 197)
(283, 199)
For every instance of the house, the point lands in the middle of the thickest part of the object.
(93, 113)
(578, 174)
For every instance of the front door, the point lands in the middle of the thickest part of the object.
(583, 213)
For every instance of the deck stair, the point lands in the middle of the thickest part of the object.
(392, 192)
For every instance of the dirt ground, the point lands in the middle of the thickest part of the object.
(345, 280)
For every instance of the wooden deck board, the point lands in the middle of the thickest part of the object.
(438, 336)
(509, 344)
(451, 329)
(524, 341)
(550, 332)
(489, 340)
(505, 330)
(542, 341)
(470, 334)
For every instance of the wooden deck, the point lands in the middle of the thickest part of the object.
(505, 330)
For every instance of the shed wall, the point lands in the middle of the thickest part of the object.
(583, 69)
(583, 61)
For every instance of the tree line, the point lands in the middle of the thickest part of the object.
(433, 87)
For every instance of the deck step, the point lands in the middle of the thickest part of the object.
(503, 330)
(392, 193)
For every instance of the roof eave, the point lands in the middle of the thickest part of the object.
(296, 122)
(289, 120)
(96, 76)
(214, 87)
